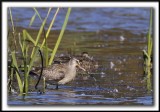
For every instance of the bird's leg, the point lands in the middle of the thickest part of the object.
(41, 91)
(56, 86)
(44, 84)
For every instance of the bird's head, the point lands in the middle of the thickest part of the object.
(75, 63)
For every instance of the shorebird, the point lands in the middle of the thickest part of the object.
(61, 73)
(87, 62)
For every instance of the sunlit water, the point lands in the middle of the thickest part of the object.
(115, 37)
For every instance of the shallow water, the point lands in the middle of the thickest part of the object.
(115, 37)
(80, 95)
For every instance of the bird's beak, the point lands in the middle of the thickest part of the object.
(78, 64)
(81, 68)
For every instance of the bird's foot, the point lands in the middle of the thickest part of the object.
(56, 87)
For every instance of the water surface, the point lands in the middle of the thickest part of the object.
(115, 37)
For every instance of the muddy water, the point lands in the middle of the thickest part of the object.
(115, 37)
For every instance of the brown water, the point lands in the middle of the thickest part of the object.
(118, 49)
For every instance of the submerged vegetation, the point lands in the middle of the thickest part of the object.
(27, 44)
(148, 54)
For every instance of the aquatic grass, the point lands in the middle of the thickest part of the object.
(38, 36)
(28, 60)
(148, 54)
(45, 35)
(32, 19)
(34, 16)
(29, 38)
(24, 49)
(41, 28)
(13, 59)
(23, 82)
(41, 69)
(60, 36)
(11, 19)
(13, 27)
(51, 24)
(149, 87)
(45, 38)
(17, 72)
(37, 14)
(9, 84)
(48, 31)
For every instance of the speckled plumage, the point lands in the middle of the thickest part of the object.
(62, 73)
(88, 63)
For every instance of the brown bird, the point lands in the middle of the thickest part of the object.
(87, 62)
(61, 73)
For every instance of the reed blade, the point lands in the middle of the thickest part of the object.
(49, 29)
(17, 72)
(32, 19)
(37, 13)
(60, 36)
(33, 58)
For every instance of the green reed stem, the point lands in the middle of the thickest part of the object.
(11, 20)
(37, 14)
(149, 52)
(49, 29)
(17, 72)
(32, 19)
(60, 36)
(10, 76)
(149, 80)
(149, 34)
(46, 53)
(24, 51)
(34, 42)
(24, 84)
(40, 31)
(38, 36)
(13, 28)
